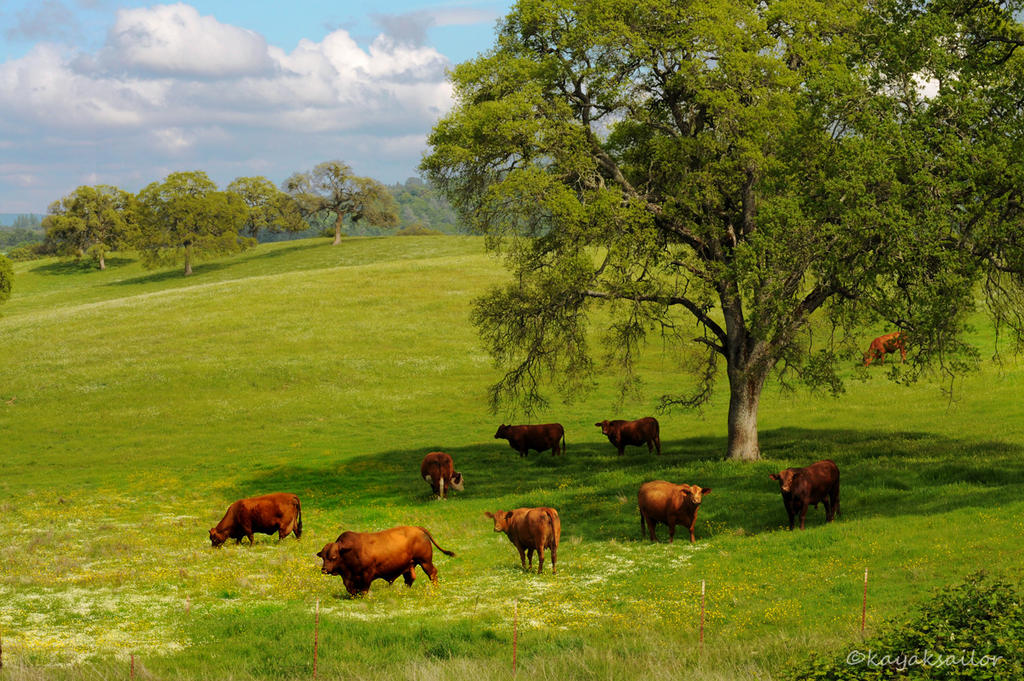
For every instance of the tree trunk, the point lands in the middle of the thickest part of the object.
(188, 260)
(744, 398)
(103, 260)
(337, 230)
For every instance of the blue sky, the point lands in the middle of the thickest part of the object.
(123, 93)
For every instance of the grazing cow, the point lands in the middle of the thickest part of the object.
(634, 433)
(270, 513)
(665, 502)
(807, 486)
(529, 530)
(439, 471)
(361, 557)
(890, 342)
(538, 438)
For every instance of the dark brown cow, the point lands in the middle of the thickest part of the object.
(361, 557)
(270, 513)
(529, 530)
(807, 486)
(666, 502)
(538, 438)
(439, 471)
(633, 433)
(890, 342)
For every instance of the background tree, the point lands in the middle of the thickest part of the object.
(90, 220)
(742, 168)
(186, 216)
(6, 279)
(270, 209)
(331, 189)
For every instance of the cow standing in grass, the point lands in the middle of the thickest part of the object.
(803, 487)
(529, 530)
(438, 470)
(632, 433)
(538, 437)
(671, 504)
(270, 513)
(361, 557)
(890, 342)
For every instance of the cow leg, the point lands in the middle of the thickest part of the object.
(828, 509)
(409, 576)
(431, 571)
(692, 540)
(835, 500)
(522, 558)
(792, 514)
(650, 446)
(651, 524)
(529, 556)
(622, 449)
(657, 443)
(540, 559)
(671, 532)
(803, 514)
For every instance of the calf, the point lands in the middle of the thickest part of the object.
(634, 433)
(665, 502)
(270, 513)
(538, 438)
(439, 472)
(807, 486)
(529, 530)
(361, 557)
(890, 342)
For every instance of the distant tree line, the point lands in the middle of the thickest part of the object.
(186, 217)
(23, 232)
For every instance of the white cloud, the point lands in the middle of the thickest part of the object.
(175, 40)
(171, 86)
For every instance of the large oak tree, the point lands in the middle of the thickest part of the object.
(331, 190)
(270, 210)
(740, 168)
(185, 216)
(91, 220)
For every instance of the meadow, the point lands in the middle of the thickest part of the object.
(136, 405)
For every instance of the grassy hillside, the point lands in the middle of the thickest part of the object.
(135, 406)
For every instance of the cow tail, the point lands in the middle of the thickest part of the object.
(431, 538)
(563, 441)
(298, 522)
(556, 525)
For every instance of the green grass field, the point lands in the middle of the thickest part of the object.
(135, 406)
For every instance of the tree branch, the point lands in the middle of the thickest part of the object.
(691, 306)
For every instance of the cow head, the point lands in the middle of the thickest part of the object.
(603, 425)
(694, 493)
(217, 538)
(332, 554)
(785, 479)
(502, 520)
(458, 482)
(502, 432)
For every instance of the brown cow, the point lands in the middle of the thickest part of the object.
(634, 433)
(361, 557)
(807, 486)
(538, 438)
(439, 471)
(665, 502)
(270, 513)
(890, 342)
(529, 530)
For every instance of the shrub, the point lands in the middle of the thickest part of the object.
(971, 631)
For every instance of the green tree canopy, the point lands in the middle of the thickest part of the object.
(90, 220)
(735, 168)
(186, 216)
(331, 189)
(270, 209)
(6, 279)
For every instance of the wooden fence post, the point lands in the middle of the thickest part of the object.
(515, 633)
(864, 606)
(316, 638)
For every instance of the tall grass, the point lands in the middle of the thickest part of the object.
(135, 406)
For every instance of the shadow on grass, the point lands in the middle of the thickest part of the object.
(174, 274)
(78, 266)
(884, 474)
